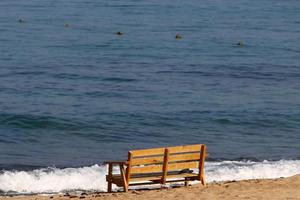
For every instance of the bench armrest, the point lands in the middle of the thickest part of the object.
(115, 162)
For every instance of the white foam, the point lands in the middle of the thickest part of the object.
(238, 170)
(53, 180)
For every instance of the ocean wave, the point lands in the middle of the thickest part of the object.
(27, 121)
(53, 180)
(92, 178)
(118, 79)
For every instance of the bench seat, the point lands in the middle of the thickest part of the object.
(152, 178)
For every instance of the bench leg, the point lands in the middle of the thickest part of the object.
(125, 184)
(186, 182)
(203, 180)
(109, 179)
(109, 186)
(125, 188)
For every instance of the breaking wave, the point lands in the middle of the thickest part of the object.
(92, 178)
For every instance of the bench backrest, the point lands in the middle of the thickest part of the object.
(164, 160)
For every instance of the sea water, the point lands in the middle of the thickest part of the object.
(73, 93)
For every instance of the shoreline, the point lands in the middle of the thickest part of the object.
(280, 188)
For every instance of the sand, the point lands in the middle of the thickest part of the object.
(283, 188)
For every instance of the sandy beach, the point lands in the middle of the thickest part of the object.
(282, 188)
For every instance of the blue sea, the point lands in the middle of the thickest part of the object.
(74, 93)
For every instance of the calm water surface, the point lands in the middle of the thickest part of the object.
(74, 93)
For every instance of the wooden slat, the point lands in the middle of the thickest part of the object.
(188, 175)
(143, 179)
(147, 169)
(153, 176)
(148, 152)
(186, 148)
(157, 182)
(184, 165)
(149, 160)
(184, 157)
(160, 159)
(176, 157)
(160, 151)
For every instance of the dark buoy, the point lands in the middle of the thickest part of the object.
(178, 36)
(119, 33)
(21, 20)
(67, 25)
(240, 44)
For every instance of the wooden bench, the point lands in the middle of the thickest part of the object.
(159, 166)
